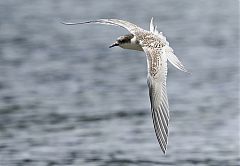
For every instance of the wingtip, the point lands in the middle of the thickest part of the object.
(62, 22)
(164, 150)
(72, 23)
(152, 19)
(151, 22)
(66, 23)
(151, 25)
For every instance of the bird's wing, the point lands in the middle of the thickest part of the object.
(121, 23)
(172, 58)
(157, 73)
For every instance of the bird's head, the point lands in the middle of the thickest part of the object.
(122, 40)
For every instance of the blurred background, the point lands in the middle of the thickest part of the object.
(66, 99)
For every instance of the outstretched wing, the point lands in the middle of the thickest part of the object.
(121, 23)
(157, 73)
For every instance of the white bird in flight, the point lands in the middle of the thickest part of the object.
(157, 51)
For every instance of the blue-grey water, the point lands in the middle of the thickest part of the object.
(66, 99)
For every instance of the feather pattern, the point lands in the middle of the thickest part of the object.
(157, 51)
(158, 95)
(172, 58)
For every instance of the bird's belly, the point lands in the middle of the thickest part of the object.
(132, 47)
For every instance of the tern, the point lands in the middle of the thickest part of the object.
(158, 52)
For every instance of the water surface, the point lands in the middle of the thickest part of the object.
(66, 99)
